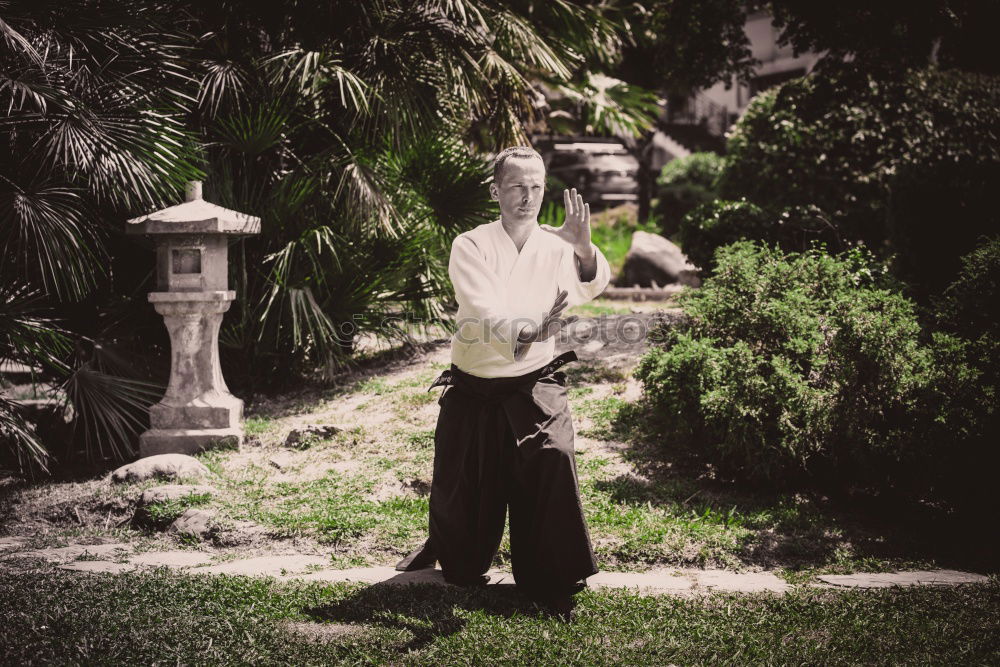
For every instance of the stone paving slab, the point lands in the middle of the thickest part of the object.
(65, 554)
(740, 582)
(915, 578)
(173, 559)
(390, 576)
(266, 565)
(659, 581)
(12, 543)
(97, 566)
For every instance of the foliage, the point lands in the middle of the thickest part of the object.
(804, 369)
(888, 155)
(720, 222)
(684, 184)
(679, 46)
(354, 130)
(674, 48)
(92, 130)
(956, 33)
(969, 339)
(598, 104)
(361, 166)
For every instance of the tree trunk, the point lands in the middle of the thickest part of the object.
(645, 176)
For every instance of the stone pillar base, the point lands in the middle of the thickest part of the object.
(188, 441)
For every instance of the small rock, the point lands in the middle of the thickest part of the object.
(195, 522)
(653, 261)
(160, 466)
(419, 486)
(162, 494)
(239, 533)
(281, 460)
(304, 436)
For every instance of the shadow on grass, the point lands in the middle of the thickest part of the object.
(427, 611)
(857, 529)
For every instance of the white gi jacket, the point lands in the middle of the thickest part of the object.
(499, 291)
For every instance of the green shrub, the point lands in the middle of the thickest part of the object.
(684, 184)
(722, 222)
(970, 306)
(798, 369)
(968, 349)
(903, 161)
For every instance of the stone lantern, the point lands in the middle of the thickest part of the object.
(192, 282)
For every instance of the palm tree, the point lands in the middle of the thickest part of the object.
(92, 129)
(357, 131)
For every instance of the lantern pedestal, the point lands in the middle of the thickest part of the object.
(197, 412)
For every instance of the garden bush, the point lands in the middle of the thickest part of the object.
(684, 184)
(968, 315)
(903, 161)
(804, 369)
(722, 222)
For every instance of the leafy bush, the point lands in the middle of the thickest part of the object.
(802, 368)
(722, 222)
(684, 184)
(969, 315)
(903, 161)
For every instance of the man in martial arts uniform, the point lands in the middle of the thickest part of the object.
(504, 435)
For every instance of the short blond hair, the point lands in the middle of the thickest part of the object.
(514, 151)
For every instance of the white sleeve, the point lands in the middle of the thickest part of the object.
(484, 317)
(577, 291)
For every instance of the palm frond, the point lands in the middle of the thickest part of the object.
(20, 440)
(27, 334)
(109, 411)
(225, 83)
(49, 239)
(254, 131)
(313, 72)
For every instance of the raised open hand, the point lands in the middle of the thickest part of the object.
(576, 229)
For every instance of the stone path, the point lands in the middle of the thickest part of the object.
(113, 558)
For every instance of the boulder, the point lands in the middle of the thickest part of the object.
(161, 466)
(306, 435)
(196, 523)
(653, 261)
(163, 494)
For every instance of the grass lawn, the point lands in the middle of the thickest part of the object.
(159, 617)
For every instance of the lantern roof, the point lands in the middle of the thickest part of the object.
(195, 216)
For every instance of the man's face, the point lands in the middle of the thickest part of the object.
(521, 187)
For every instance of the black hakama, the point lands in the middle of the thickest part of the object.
(507, 442)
